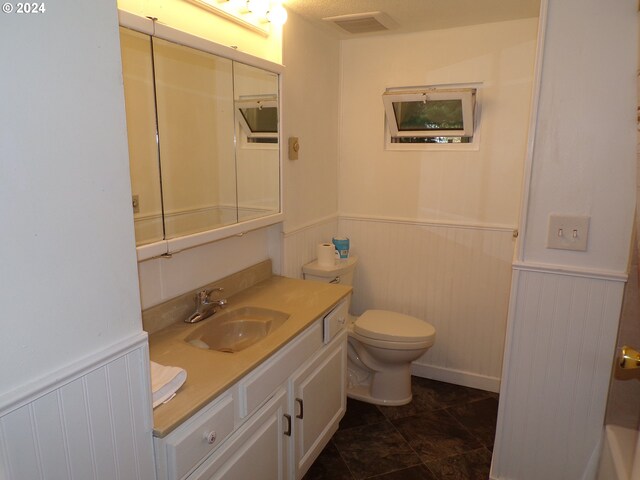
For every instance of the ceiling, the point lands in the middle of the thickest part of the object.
(415, 15)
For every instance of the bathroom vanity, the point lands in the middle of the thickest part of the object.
(265, 411)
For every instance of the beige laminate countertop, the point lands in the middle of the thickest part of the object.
(210, 373)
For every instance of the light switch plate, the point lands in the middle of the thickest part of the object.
(568, 232)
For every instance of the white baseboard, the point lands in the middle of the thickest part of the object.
(457, 377)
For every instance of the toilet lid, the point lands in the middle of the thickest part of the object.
(384, 325)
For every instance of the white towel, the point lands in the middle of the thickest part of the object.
(165, 381)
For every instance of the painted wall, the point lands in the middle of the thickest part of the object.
(190, 18)
(74, 394)
(565, 306)
(162, 279)
(575, 170)
(310, 112)
(466, 186)
(433, 229)
(68, 283)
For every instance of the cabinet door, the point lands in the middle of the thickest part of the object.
(318, 402)
(259, 450)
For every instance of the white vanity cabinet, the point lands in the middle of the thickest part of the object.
(274, 422)
(318, 401)
(259, 450)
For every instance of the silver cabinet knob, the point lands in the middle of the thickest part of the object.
(210, 437)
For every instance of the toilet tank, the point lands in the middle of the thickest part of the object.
(341, 272)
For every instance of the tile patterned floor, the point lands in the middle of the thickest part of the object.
(445, 433)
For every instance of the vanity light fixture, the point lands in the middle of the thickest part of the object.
(277, 15)
(256, 15)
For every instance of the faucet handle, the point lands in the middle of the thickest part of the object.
(222, 302)
(212, 291)
(202, 297)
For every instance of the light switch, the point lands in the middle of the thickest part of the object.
(568, 232)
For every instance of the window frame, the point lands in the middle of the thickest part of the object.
(467, 96)
(267, 101)
(472, 145)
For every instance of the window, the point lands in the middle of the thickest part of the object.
(430, 115)
(258, 118)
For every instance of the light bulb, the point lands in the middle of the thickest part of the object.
(277, 15)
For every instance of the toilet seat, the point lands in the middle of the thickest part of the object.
(384, 326)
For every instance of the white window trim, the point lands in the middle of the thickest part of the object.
(247, 145)
(269, 101)
(477, 122)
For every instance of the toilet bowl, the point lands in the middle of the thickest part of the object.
(381, 344)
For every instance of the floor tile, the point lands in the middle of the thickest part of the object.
(419, 472)
(374, 449)
(431, 395)
(445, 433)
(448, 394)
(424, 400)
(360, 413)
(328, 466)
(434, 435)
(479, 418)
(474, 465)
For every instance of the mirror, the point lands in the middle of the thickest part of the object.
(257, 152)
(203, 139)
(144, 166)
(194, 100)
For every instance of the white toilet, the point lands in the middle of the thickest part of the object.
(382, 344)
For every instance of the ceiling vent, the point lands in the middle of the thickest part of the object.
(363, 22)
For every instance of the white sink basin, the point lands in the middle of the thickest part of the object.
(235, 330)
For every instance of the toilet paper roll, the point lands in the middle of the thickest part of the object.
(326, 254)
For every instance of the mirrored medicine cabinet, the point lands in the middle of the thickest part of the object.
(203, 135)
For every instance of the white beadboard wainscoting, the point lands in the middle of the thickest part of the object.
(454, 276)
(561, 339)
(91, 421)
(299, 244)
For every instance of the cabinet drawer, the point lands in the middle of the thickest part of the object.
(255, 451)
(256, 388)
(188, 446)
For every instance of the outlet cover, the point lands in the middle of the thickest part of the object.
(568, 232)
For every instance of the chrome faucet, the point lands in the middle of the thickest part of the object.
(205, 306)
